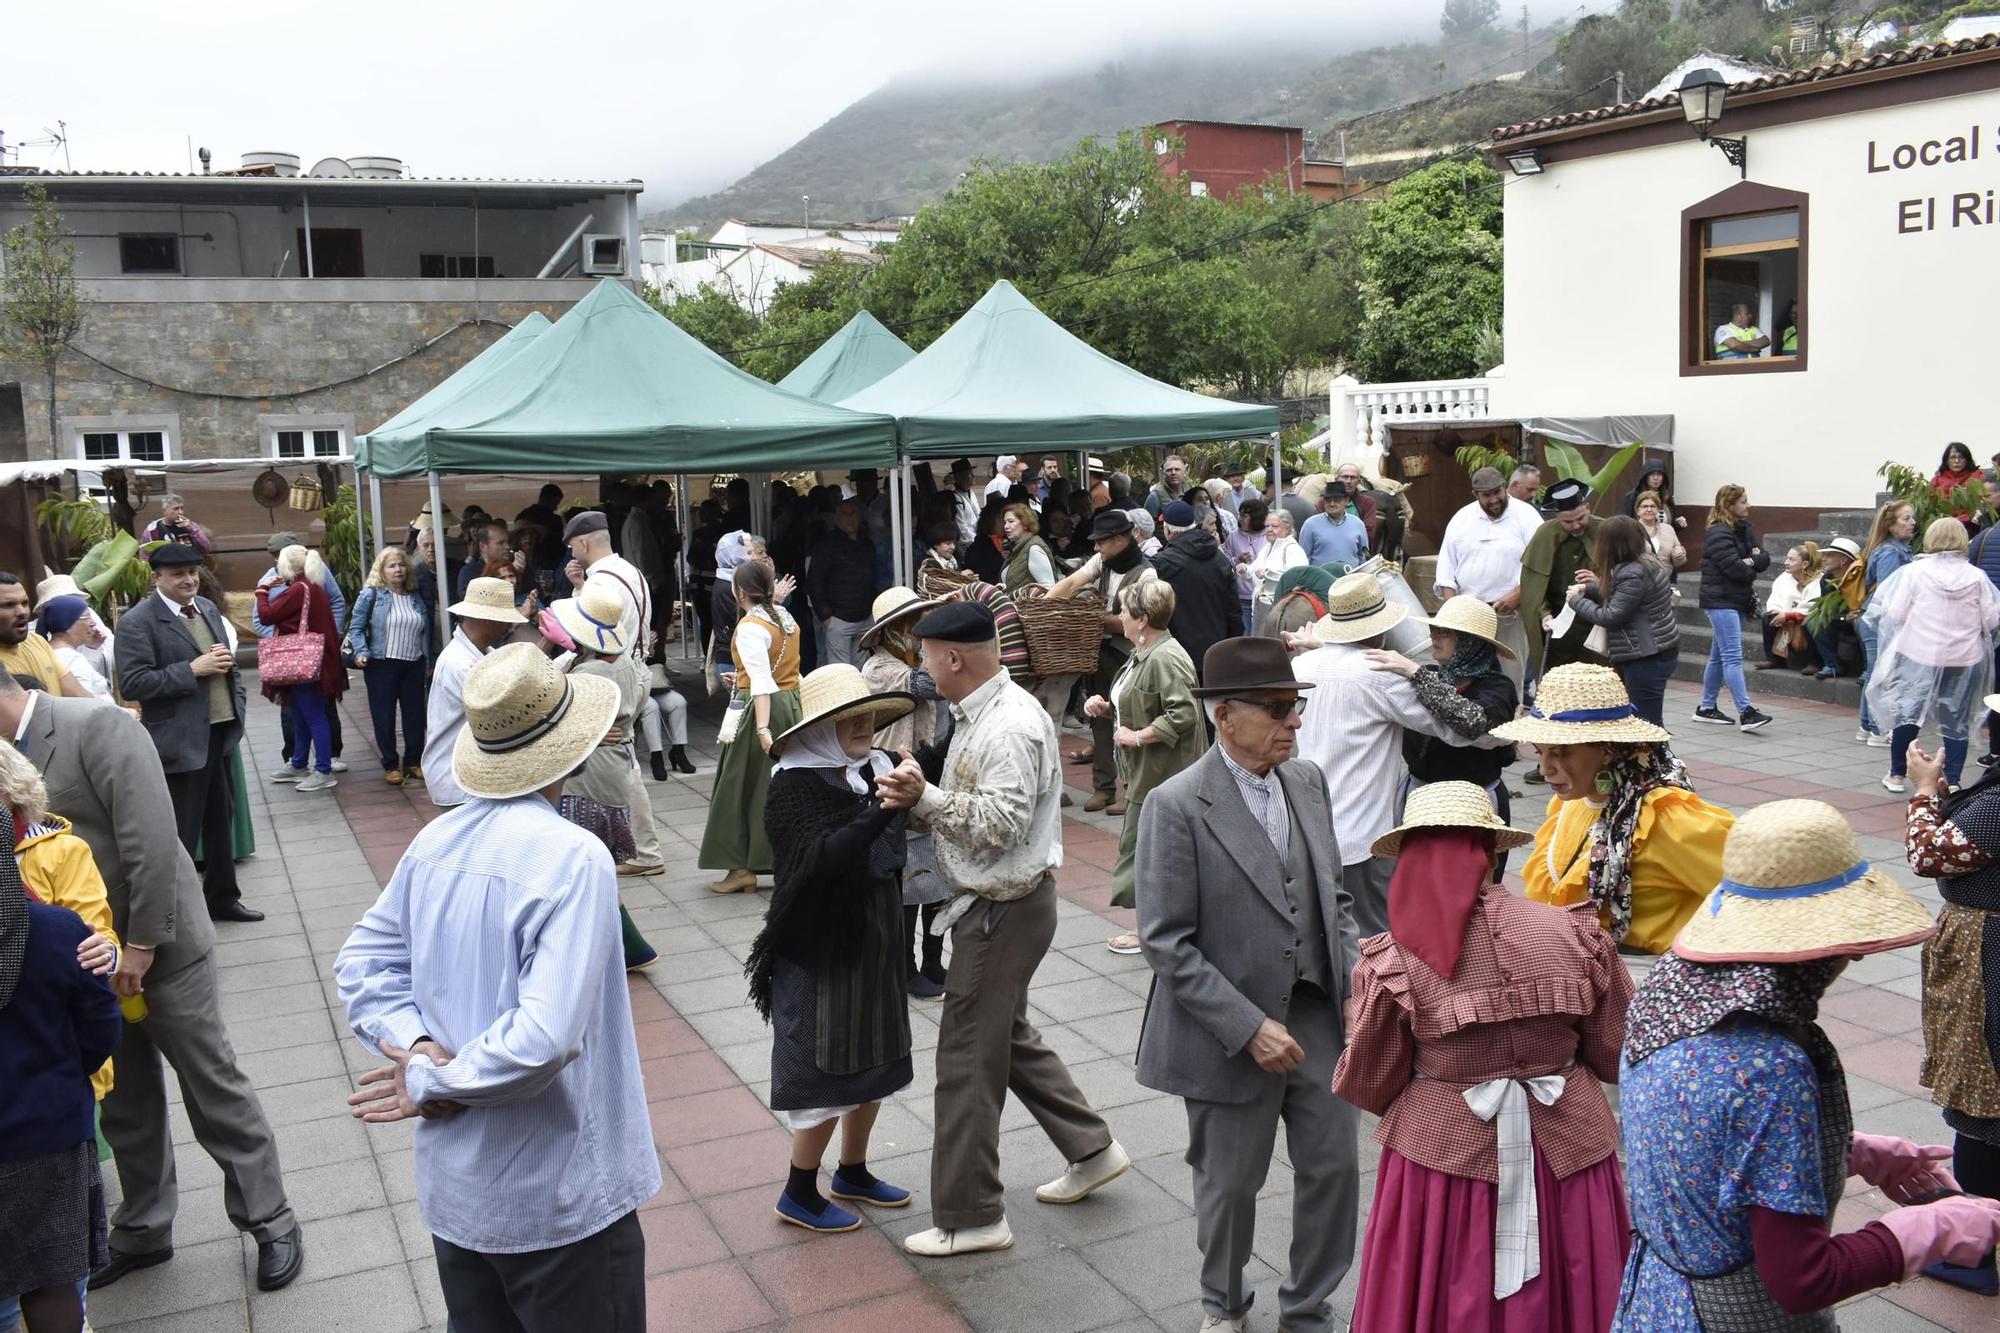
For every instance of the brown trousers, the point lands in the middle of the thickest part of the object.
(987, 1047)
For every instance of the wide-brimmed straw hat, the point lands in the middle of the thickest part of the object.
(1581, 704)
(836, 690)
(1450, 805)
(1469, 615)
(489, 599)
(1795, 887)
(891, 606)
(56, 585)
(590, 618)
(1357, 609)
(526, 723)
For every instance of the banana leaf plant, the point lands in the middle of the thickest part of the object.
(113, 569)
(1568, 463)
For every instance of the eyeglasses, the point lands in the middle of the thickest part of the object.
(1275, 709)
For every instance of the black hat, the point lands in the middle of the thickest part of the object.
(961, 465)
(1112, 522)
(1336, 490)
(173, 554)
(1232, 469)
(590, 520)
(1247, 663)
(1568, 494)
(958, 622)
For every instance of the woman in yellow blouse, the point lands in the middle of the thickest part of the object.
(1624, 828)
(58, 869)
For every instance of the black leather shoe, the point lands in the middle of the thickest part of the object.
(279, 1261)
(234, 912)
(120, 1263)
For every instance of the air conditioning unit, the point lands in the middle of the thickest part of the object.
(603, 255)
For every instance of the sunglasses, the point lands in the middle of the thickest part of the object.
(1275, 709)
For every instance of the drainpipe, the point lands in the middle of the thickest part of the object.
(306, 202)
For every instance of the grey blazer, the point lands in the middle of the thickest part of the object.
(1214, 924)
(103, 775)
(155, 650)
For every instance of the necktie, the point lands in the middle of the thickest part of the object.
(188, 611)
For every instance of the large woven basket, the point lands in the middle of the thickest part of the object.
(934, 581)
(1063, 632)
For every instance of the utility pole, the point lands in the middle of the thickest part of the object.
(1619, 99)
(1524, 38)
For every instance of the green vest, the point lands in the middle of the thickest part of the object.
(1788, 344)
(1016, 575)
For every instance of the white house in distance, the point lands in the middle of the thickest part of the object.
(751, 260)
(1864, 219)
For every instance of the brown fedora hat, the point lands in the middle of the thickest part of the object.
(1247, 663)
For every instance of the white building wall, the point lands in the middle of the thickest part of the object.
(1897, 323)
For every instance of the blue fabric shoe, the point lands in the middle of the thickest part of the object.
(832, 1218)
(881, 1194)
(1982, 1279)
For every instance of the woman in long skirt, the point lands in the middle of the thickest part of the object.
(827, 971)
(1498, 1203)
(764, 647)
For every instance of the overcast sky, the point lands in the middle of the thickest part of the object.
(686, 96)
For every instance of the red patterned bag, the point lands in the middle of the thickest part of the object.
(293, 659)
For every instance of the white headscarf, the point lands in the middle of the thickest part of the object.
(818, 746)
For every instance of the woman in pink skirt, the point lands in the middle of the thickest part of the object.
(1481, 1026)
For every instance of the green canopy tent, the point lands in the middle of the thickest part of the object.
(613, 386)
(1008, 379)
(860, 354)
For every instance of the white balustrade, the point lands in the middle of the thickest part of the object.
(1361, 413)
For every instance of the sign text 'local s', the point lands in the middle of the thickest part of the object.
(1941, 211)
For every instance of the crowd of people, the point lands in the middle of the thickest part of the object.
(1316, 820)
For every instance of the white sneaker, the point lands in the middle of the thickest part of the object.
(1862, 733)
(1894, 782)
(1223, 1323)
(1878, 742)
(940, 1243)
(318, 782)
(338, 766)
(1084, 1178)
(287, 774)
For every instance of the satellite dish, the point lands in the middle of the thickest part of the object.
(331, 166)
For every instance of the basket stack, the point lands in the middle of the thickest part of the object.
(1063, 632)
(934, 581)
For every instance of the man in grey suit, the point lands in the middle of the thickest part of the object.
(174, 662)
(1252, 940)
(104, 776)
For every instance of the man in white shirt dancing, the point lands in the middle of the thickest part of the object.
(489, 973)
(1481, 557)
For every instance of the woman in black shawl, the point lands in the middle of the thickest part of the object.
(827, 970)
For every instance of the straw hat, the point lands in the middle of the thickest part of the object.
(1450, 805)
(837, 689)
(1581, 704)
(422, 521)
(1469, 615)
(526, 723)
(1356, 609)
(1795, 887)
(489, 599)
(591, 618)
(891, 606)
(56, 585)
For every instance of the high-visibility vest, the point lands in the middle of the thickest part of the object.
(1739, 334)
(1789, 343)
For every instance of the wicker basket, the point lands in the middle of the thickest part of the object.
(1063, 632)
(934, 581)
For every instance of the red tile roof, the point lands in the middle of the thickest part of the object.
(1912, 56)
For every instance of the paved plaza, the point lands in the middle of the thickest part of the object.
(718, 1260)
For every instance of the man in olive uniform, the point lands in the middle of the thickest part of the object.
(1559, 548)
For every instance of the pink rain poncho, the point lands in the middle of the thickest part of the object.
(1934, 622)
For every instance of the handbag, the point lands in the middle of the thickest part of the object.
(293, 659)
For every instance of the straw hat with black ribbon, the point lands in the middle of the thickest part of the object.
(1796, 887)
(1469, 615)
(1581, 704)
(835, 691)
(1438, 805)
(590, 618)
(489, 599)
(527, 724)
(1357, 609)
(892, 606)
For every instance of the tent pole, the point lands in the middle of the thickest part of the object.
(1277, 471)
(898, 525)
(690, 627)
(361, 528)
(442, 573)
(375, 511)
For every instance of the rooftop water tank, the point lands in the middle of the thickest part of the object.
(381, 168)
(281, 164)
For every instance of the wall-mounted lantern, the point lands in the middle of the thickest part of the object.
(1703, 93)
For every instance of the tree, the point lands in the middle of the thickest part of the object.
(1467, 18)
(41, 311)
(1430, 264)
(711, 316)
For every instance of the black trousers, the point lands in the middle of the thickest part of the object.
(596, 1283)
(393, 685)
(204, 811)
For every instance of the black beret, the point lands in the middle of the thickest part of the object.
(173, 554)
(1113, 522)
(590, 520)
(957, 622)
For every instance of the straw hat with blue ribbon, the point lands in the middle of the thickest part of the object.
(1795, 887)
(591, 618)
(1581, 704)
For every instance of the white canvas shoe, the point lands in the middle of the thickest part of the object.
(1224, 1324)
(1084, 1178)
(940, 1243)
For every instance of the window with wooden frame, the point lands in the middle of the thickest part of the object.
(1743, 282)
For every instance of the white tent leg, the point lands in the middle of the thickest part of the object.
(375, 511)
(899, 550)
(690, 625)
(361, 528)
(442, 574)
(1277, 477)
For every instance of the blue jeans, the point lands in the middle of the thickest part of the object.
(1901, 739)
(396, 684)
(1867, 669)
(309, 726)
(1725, 658)
(1250, 617)
(1646, 683)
